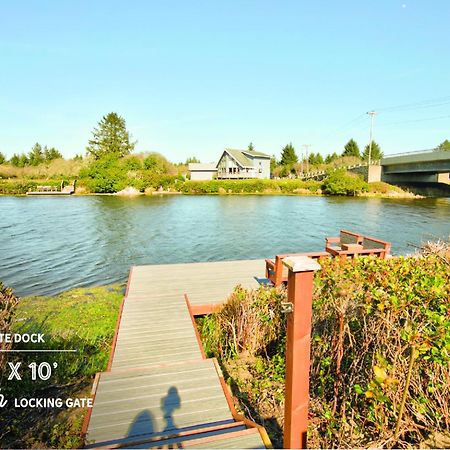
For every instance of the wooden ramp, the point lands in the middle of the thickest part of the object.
(159, 390)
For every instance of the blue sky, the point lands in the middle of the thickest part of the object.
(193, 77)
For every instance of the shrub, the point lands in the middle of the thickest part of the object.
(105, 175)
(132, 163)
(341, 182)
(249, 323)
(377, 323)
(248, 186)
(380, 349)
(13, 187)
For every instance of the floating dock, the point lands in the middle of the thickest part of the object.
(160, 390)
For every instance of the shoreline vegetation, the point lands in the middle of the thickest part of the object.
(110, 167)
(380, 353)
(390, 309)
(83, 319)
(339, 182)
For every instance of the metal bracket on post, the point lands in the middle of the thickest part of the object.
(287, 307)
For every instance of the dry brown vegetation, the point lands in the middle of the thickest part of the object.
(380, 370)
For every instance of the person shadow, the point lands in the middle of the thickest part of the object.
(169, 404)
(144, 423)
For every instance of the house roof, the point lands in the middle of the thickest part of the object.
(195, 167)
(242, 156)
(254, 153)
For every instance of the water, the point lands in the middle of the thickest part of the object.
(51, 244)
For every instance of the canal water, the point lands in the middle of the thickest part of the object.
(51, 244)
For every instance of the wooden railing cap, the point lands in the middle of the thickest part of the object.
(301, 264)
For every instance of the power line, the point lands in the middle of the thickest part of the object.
(415, 120)
(417, 105)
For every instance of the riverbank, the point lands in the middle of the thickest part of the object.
(220, 187)
(385, 292)
(81, 319)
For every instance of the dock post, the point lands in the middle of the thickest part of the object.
(298, 341)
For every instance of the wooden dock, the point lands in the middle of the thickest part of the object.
(159, 390)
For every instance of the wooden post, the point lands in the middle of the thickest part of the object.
(300, 289)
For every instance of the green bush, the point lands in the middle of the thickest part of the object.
(341, 182)
(380, 339)
(13, 187)
(105, 175)
(249, 186)
(132, 163)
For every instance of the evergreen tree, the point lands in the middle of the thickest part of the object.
(250, 147)
(2, 158)
(288, 155)
(332, 157)
(36, 156)
(19, 160)
(315, 158)
(444, 146)
(110, 138)
(15, 159)
(351, 149)
(51, 153)
(273, 163)
(78, 157)
(375, 155)
(192, 159)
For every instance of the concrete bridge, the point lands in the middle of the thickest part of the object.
(425, 166)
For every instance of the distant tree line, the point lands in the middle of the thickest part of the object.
(36, 156)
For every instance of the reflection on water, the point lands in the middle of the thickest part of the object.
(50, 244)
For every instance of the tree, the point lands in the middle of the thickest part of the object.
(2, 158)
(330, 158)
(315, 159)
(156, 163)
(288, 155)
(23, 160)
(110, 138)
(375, 153)
(51, 153)
(192, 159)
(444, 146)
(19, 160)
(351, 149)
(36, 155)
(273, 163)
(250, 147)
(15, 159)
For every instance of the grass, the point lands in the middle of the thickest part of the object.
(81, 319)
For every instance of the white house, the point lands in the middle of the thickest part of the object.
(201, 172)
(243, 164)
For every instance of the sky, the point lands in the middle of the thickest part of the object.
(194, 77)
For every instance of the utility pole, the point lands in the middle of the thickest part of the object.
(307, 160)
(371, 114)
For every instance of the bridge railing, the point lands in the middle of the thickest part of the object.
(415, 152)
